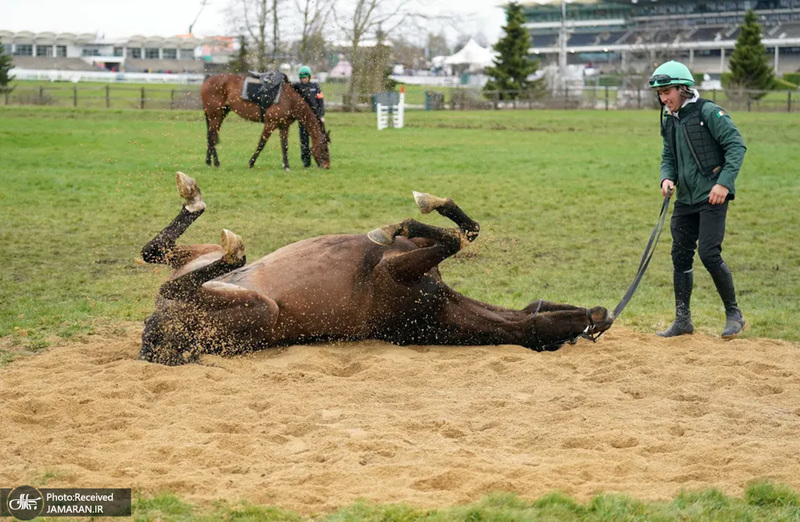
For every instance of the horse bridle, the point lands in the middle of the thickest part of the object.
(587, 333)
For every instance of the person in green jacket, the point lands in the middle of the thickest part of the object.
(703, 152)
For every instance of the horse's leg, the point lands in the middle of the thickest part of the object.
(428, 203)
(269, 127)
(161, 249)
(285, 146)
(447, 208)
(214, 124)
(209, 141)
(409, 267)
(225, 110)
(186, 284)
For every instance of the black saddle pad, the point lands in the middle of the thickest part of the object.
(265, 92)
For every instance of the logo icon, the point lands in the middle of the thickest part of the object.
(25, 503)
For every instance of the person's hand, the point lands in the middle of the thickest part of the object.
(667, 187)
(718, 194)
(322, 119)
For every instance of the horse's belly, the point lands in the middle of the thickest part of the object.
(322, 286)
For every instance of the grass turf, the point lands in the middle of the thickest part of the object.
(566, 201)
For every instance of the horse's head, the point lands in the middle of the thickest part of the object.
(323, 155)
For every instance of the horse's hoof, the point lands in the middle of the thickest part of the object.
(427, 203)
(381, 237)
(287, 169)
(190, 192)
(216, 163)
(234, 248)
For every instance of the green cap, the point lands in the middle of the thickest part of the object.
(671, 73)
(305, 72)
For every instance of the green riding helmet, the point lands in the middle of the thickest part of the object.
(671, 73)
(304, 72)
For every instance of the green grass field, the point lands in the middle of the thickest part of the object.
(566, 200)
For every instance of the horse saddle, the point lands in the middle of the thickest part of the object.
(263, 89)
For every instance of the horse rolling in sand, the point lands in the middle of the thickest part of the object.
(382, 285)
(222, 93)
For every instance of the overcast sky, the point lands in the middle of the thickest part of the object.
(121, 18)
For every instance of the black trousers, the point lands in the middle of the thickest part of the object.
(697, 227)
(305, 151)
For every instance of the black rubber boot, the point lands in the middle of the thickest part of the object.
(682, 283)
(734, 323)
(723, 280)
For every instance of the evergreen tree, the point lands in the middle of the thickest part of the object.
(512, 65)
(6, 63)
(749, 65)
(240, 64)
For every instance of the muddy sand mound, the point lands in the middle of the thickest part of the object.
(312, 428)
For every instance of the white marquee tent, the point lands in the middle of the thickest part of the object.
(473, 55)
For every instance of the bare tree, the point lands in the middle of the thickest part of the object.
(437, 45)
(367, 17)
(276, 39)
(315, 15)
(259, 20)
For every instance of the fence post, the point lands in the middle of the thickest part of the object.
(7, 92)
(638, 98)
(74, 95)
(714, 96)
(142, 105)
(606, 97)
(108, 97)
(788, 101)
(172, 99)
(496, 100)
(41, 95)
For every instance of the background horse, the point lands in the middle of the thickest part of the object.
(382, 285)
(223, 92)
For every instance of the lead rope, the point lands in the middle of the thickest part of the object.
(643, 264)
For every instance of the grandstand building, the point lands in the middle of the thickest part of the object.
(631, 35)
(182, 54)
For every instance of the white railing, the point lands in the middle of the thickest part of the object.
(105, 77)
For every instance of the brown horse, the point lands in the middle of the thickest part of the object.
(382, 285)
(223, 92)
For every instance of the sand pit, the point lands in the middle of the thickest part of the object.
(312, 428)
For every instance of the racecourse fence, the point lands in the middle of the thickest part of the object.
(569, 97)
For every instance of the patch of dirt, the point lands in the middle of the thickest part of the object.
(313, 428)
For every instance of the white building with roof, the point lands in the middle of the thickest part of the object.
(35, 54)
